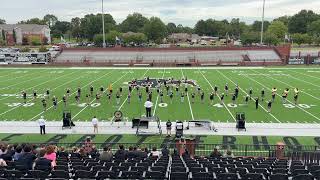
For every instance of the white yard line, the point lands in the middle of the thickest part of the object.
(251, 97)
(287, 100)
(37, 84)
(289, 85)
(305, 74)
(156, 105)
(50, 89)
(73, 93)
(127, 96)
(95, 99)
(190, 107)
(24, 74)
(218, 96)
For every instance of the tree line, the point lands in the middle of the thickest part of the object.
(301, 28)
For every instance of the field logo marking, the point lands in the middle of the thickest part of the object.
(163, 105)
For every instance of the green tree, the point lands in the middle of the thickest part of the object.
(133, 23)
(278, 29)
(50, 20)
(300, 22)
(201, 28)
(33, 21)
(112, 35)
(91, 25)
(171, 28)
(256, 26)
(137, 38)
(75, 27)
(284, 19)
(14, 36)
(271, 38)
(301, 38)
(250, 37)
(60, 28)
(314, 28)
(2, 21)
(155, 29)
(3, 34)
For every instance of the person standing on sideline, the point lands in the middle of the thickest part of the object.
(257, 102)
(168, 124)
(42, 124)
(148, 104)
(95, 124)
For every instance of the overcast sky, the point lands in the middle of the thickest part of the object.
(185, 12)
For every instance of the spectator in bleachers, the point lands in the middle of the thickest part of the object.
(27, 158)
(130, 153)
(94, 152)
(136, 152)
(62, 153)
(155, 152)
(17, 153)
(42, 163)
(215, 153)
(88, 145)
(143, 153)
(75, 152)
(3, 148)
(165, 151)
(82, 152)
(121, 154)
(3, 163)
(228, 153)
(51, 154)
(7, 156)
(106, 154)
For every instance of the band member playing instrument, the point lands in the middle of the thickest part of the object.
(273, 93)
(296, 94)
(55, 102)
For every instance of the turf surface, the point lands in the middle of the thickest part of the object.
(14, 81)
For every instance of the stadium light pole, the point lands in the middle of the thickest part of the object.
(103, 29)
(262, 23)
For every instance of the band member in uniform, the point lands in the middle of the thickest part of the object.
(98, 96)
(177, 90)
(234, 99)
(273, 93)
(129, 97)
(167, 88)
(120, 90)
(236, 91)
(91, 90)
(202, 97)
(79, 92)
(55, 102)
(285, 95)
(34, 94)
(296, 94)
(171, 97)
(140, 96)
(250, 92)
(109, 97)
(110, 88)
(246, 100)
(68, 92)
(147, 89)
(168, 125)
(182, 97)
(77, 98)
(211, 98)
(88, 98)
(226, 89)
(161, 96)
(192, 97)
(221, 98)
(101, 90)
(24, 95)
(215, 89)
(150, 95)
(118, 95)
(269, 106)
(257, 102)
(185, 88)
(64, 99)
(47, 93)
(44, 104)
(262, 94)
(199, 89)
(130, 88)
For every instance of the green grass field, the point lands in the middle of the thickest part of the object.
(14, 81)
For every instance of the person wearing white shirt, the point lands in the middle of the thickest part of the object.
(148, 105)
(95, 124)
(42, 124)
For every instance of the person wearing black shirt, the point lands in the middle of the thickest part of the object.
(186, 89)
(130, 88)
(129, 97)
(221, 99)
(118, 98)
(68, 92)
(269, 106)
(79, 92)
(168, 124)
(140, 96)
(64, 99)
(150, 96)
(161, 97)
(121, 154)
(55, 102)
(88, 99)
(215, 90)
(250, 92)
(167, 88)
(171, 97)
(177, 90)
(91, 90)
(24, 94)
(101, 89)
(182, 97)
(236, 91)
(192, 97)
(34, 94)
(77, 97)
(120, 89)
(42, 163)
(262, 94)
(48, 93)
(257, 102)
(44, 104)
(211, 98)
(147, 89)
(202, 97)
(26, 159)
(226, 88)
(98, 97)
(246, 99)
(109, 97)
(234, 99)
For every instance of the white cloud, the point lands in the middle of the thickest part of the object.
(185, 12)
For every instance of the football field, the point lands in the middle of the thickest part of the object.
(15, 80)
